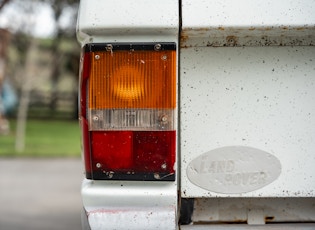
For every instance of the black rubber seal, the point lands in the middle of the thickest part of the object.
(131, 176)
(111, 47)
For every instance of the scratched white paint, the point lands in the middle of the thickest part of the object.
(260, 97)
(133, 218)
(262, 210)
(130, 204)
(128, 21)
(230, 13)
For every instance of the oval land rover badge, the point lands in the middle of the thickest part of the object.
(233, 169)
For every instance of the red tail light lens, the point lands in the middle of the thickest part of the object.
(128, 109)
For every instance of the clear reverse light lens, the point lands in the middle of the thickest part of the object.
(131, 119)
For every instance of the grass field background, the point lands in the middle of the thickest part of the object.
(44, 138)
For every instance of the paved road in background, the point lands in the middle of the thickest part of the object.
(40, 194)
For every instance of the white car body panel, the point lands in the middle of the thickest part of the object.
(237, 91)
(128, 21)
(130, 205)
(261, 97)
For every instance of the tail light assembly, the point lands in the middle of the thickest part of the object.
(128, 111)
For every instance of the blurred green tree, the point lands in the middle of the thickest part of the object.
(59, 58)
(25, 46)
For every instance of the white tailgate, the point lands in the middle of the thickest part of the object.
(247, 99)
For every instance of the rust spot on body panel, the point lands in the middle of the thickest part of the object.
(220, 36)
(231, 40)
(269, 218)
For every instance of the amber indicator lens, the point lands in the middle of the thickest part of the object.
(132, 79)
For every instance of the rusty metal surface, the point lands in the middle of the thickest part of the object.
(254, 210)
(247, 23)
(249, 227)
(248, 36)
